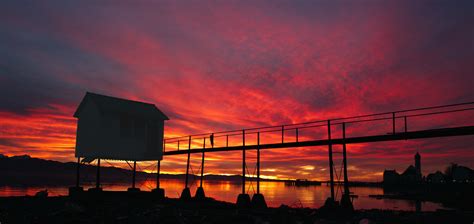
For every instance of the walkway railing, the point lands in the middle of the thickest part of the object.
(279, 132)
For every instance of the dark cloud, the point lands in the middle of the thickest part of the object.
(228, 65)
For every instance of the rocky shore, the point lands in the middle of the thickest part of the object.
(51, 210)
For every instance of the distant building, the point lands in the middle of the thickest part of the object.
(410, 176)
(462, 174)
(390, 177)
(418, 166)
(436, 178)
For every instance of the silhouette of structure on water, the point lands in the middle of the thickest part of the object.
(118, 129)
(141, 111)
(412, 174)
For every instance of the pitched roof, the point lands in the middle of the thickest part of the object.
(108, 104)
(411, 170)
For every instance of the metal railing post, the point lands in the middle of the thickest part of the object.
(393, 122)
(406, 127)
(282, 134)
(296, 134)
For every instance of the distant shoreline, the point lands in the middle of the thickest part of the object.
(25, 170)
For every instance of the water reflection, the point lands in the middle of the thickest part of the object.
(276, 193)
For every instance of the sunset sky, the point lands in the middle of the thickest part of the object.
(222, 65)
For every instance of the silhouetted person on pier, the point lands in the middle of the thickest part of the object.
(211, 138)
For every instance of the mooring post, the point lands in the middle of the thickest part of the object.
(344, 158)
(202, 162)
(258, 162)
(243, 161)
(97, 183)
(331, 165)
(134, 173)
(187, 163)
(78, 169)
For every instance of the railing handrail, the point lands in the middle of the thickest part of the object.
(291, 126)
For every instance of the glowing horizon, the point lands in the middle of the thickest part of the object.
(218, 66)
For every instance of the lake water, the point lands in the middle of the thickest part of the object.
(276, 193)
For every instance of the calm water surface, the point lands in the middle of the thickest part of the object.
(276, 193)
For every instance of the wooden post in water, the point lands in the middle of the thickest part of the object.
(258, 162)
(134, 173)
(187, 163)
(97, 183)
(344, 158)
(243, 161)
(202, 162)
(78, 169)
(158, 166)
(331, 165)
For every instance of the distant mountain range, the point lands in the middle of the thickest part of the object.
(25, 170)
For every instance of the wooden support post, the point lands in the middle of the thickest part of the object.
(227, 141)
(202, 162)
(187, 163)
(331, 165)
(243, 161)
(78, 169)
(344, 158)
(134, 173)
(258, 162)
(178, 145)
(97, 183)
(158, 166)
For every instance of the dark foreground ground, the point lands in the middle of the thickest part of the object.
(147, 209)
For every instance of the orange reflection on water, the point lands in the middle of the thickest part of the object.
(276, 193)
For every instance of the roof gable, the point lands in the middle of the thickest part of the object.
(108, 104)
